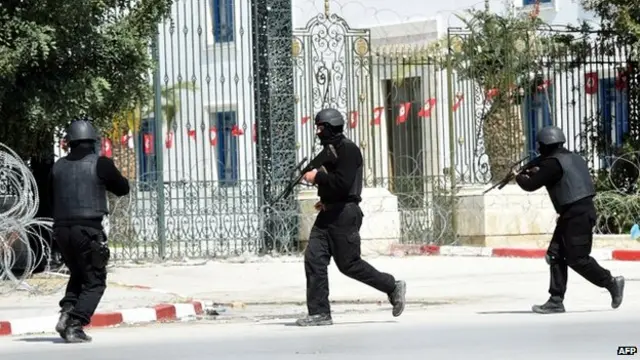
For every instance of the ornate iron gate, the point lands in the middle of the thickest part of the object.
(331, 67)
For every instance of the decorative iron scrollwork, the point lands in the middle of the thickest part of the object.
(330, 68)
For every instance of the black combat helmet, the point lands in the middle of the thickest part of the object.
(551, 135)
(81, 130)
(331, 117)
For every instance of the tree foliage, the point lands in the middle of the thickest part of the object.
(506, 57)
(61, 59)
(620, 18)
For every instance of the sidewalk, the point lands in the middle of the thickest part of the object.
(277, 285)
(429, 279)
(22, 312)
(21, 304)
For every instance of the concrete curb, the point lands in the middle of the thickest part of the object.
(158, 313)
(598, 254)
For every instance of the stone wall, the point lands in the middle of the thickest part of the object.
(511, 217)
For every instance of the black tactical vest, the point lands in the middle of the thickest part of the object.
(77, 191)
(575, 184)
(355, 191)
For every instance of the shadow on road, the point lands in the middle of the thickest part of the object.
(335, 323)
(504, 312)
(54, 340)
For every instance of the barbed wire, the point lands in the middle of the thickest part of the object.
(618, 198)
(24, 249)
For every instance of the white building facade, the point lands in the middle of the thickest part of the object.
(400, 117)
(208, 44)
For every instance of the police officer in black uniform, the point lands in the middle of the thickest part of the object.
(566, 176)
(336, 229)
(79, 182)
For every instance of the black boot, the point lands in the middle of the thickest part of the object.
(75, 334)
(397, 298)
(552, 306)
(617, 291)
(315, 320)
(61, 326)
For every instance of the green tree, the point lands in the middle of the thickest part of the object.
(620, 18)
(505, 57)
(60, 59)
(502, 56)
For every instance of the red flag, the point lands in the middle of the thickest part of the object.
(591, 83)
(213, 136)
(148, 144)
(255, 133)
(305, 120)
(353, 119)
(191, 134)
(428, 106)
(491, 93)
(236, 131)
(127, 140)
(377, 115)
(168, 142)
(403, 113)
(458, 102)
(107, 148)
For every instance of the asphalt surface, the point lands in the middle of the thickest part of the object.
(450, 332)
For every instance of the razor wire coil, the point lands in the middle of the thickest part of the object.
(22, 243)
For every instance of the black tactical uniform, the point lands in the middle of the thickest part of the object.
(566, 176)
(336, 229)
(79, 182)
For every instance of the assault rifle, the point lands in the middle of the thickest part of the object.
(516, 168)
(328, 154)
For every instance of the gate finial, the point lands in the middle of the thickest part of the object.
(326, 7)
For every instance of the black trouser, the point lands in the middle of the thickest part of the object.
(87, 282)
(336, 233)
(571, 247)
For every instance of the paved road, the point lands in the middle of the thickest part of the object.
(431, 279)
(457, 332)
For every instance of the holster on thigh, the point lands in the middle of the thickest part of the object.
(100, 253)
